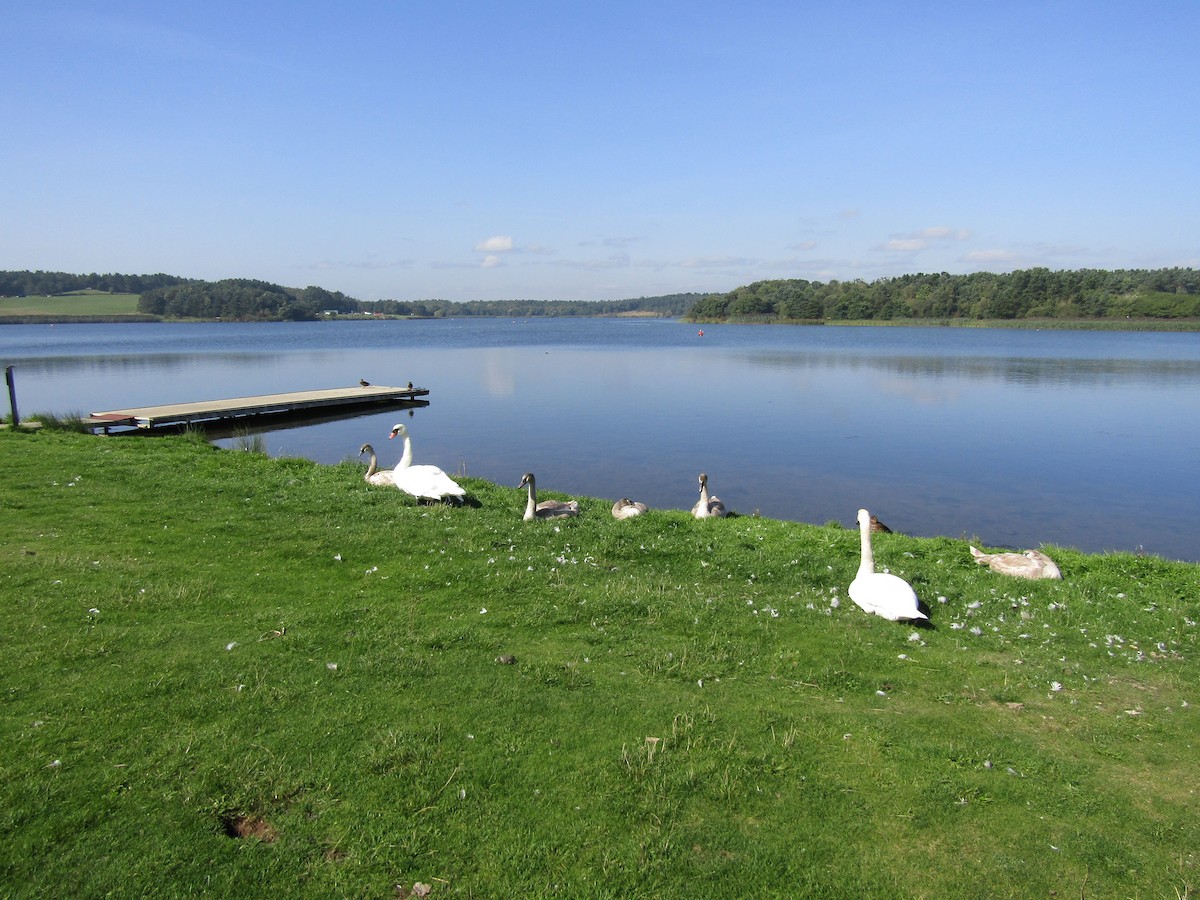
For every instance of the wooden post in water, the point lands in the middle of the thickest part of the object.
(12, 395)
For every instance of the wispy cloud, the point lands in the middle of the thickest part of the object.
(136, 35)
(491, 261)
(916, 241)
(329, 265)
(613, 261)
(904, 245)
(941, 232)
(498, 244)
(991, 256)
(716, 262)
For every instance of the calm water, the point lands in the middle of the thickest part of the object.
(1017, 438)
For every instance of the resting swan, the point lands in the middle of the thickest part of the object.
(881, 593)
(547, 509)
(1030, 564)
(707, 507)
(374, 476)
(627, 509)
(422, 482)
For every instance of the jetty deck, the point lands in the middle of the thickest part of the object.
(264, 405)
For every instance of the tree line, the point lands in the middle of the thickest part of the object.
(666, 305)
(32, 284)
(1028, 293)
(1025, 294)
(245, 299)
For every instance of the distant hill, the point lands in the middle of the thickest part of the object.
(59, 295)
(1025, 294)
(1146, 295)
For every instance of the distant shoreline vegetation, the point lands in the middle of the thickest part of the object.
(1086, 298)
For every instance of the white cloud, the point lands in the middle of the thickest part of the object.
(716, 262)
(905, 245)
(1002, 256)
(613, 261)
(920, 240)
(941, 232)
(491, 261)
(497, 244)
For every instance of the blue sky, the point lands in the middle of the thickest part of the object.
(561, 150)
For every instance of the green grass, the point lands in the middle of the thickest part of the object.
(199, 643)
(76, 303)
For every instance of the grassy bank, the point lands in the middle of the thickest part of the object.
(76, 303)
(246, 676)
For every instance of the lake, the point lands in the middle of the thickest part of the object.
(1012, 437)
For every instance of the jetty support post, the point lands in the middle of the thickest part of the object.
(12, 395)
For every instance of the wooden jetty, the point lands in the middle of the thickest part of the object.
(205, 412)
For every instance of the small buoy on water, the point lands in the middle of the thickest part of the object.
(700, 333)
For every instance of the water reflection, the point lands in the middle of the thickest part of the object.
(1015, 370)
(1016, 438)
(131, 363)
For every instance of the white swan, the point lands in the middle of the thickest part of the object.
(627, 509)
(708, 507)
(374, 476)
(423, 482)
(881, 593)
(547, 509)
(1030, 564)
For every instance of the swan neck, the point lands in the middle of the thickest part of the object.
(406, 457)
(372, 465)
(531, 503)
(867, 566)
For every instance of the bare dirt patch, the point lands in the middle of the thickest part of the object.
(241, 825)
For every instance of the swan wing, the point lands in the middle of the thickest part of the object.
(1047, 567)
(1030, 564)
(887, 596)
(554, 509)
(427, 483)
(627, 509)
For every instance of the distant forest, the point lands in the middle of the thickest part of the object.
(1024, 294)
(244, 299)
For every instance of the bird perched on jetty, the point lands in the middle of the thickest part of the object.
(627, 509)
(882, 593)
(1030, 564)
(708, 507)
(363, 382)
(547, 509)
(423, 482)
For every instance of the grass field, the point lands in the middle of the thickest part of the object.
(233, 675)
(77, 303)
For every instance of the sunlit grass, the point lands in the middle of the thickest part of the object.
(76, 303)
(227, 673)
